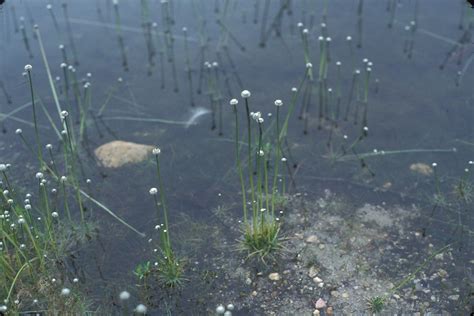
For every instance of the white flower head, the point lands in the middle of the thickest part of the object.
(153, 191)
(220, 310)
(233, 102)
(65, 291)
(156, 151)
(39, 175)
(261, 153)
(124, 295)
(141, 309)
(28, 67)
(18, 131)
(349, 38)
(55, 214)
(64, 114)
(309, 65)
(245, 94)
(3, 167)
(278, 103)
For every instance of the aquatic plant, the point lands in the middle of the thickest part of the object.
(169, 267)
(261, 236)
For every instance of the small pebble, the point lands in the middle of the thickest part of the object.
(275, 276)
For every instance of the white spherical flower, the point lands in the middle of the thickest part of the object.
(3, 167)
(220, 310)
(338, 63)
(260, 120)
(156, 151)
(64, 114)
(18, 131)
(28, 67)
(366, 128)
(233, 102)
(61, 46)
(215, 64)
(75, 280)
(55, 214)
(261, 153)
(357, 71)
(349, 38)
(141, 309)
(300, 24)
(28, 207)
(321, 38)
(228, 313)
(124, 295)
(185, 29)
(153, 191)
(309, 65)
(434, 164)
(3, 308)
(39, 175)
(245, 94)
(63, 65)
(49, 6)
(328, 39)
(21, 221)
(283, 159)
(230, 307)
(65, 291)
(278, 102)
(294, 89)
(305, 31)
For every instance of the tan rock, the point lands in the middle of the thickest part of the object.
(313, 239)
(275, 276)
(421, 168)
(118, 153)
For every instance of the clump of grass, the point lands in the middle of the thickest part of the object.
(261, 228)
(376, 304)
(169, 266)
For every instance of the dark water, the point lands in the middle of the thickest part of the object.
(415, 106)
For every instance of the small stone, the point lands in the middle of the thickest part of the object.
(442, 273)
(248, 281)
(316, 312)
(321, 285)
(317, 280)
(335, 293)
(321, 246)
(345, 295)
(313, 239)
(329, 311)
(254, 293)
(275, 276)
(433, 298)
(320, 303)
(313, 271)
(454, 297)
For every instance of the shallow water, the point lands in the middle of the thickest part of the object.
(416, 113)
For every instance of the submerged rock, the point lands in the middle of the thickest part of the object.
(421, 168)
(118, 153)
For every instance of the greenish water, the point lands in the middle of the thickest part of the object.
(416, 113)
